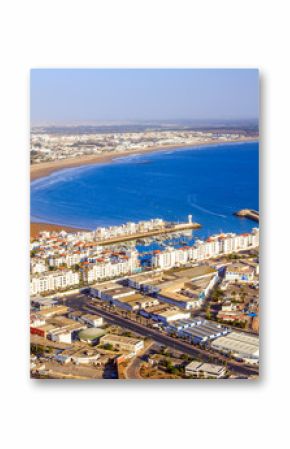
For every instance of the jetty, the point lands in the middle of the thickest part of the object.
(140, 235)
(248, 213)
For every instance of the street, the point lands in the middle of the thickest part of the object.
(82, 302)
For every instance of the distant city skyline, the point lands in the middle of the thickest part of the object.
(132, 95)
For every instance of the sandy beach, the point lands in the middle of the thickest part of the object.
(46, 168)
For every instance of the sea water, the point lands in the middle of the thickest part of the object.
(208, 182)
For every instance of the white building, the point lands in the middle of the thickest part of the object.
(92, 320)
(199, 369)
(53, 281)
(60, 336)
(239, 272)
(106, 268)
(37, 266)
(69, 260)
(212, 247)
(239, 345)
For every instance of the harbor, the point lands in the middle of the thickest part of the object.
(142, 236)
(248, 213)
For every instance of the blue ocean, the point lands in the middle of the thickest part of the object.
(208, 182)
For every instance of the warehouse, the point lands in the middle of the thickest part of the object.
(43, 303)
(129, 302)
(198, 330)
(58, 329)
(98, 290)
(189, 287)
(93, 320)
(164, 313)
(63, 329)
(132, 345)
(111, 292)
(199, 369)
(239, 272)
(48, 312)
(179, 299)
(239, 345)
(143, 281)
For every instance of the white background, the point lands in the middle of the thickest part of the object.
(144, 34)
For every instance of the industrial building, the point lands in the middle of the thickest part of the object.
(146, 282)
(164, 313)
(239, 272)
(197, 330)
(239, 345)
(43, 303)
(199, 369)
(92, 320)
(134, 302)
(183, 288)
(48, 312)
(59, 329)
(79, 356)
(110, 291)
(132, 345)
(98, 289)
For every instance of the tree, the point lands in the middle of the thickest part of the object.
(208, 313)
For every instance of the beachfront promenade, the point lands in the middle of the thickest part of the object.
(140, 235)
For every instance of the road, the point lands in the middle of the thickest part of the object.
(133, 369)
(82, 302)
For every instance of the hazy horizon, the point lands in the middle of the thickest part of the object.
(84, 96)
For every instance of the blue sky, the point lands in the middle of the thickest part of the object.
(67, 95)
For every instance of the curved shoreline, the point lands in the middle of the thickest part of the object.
(39, 171)
(47, 168)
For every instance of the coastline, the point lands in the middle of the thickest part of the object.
(41, 170)
(47, 168)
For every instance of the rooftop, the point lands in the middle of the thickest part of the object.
(120, 339)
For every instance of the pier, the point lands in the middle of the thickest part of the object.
(140, 235)
(248, 213)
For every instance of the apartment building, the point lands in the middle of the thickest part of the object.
(113, 266)
(212, 247)
(53, 281)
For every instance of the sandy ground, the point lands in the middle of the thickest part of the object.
(35, 228)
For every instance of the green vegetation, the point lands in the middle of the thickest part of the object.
(163, 350)
(40, 349)
(217, 295)
(208, 313)
(235, 323)
(52, 268)
(233, 256)
(127, 334)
